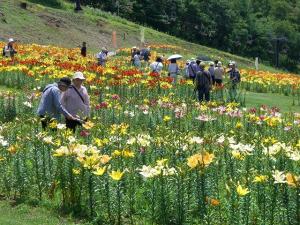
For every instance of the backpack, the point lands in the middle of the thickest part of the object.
(199, 80)
(146, 54)
(237, 77)
(194, 72)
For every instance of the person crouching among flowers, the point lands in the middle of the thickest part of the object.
(50, 106)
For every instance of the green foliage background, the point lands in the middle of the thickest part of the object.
(244, 27)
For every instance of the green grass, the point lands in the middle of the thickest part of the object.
(25, 215)
(284, 103)
(6, 89)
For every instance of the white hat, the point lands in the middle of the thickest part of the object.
(202, 64)
(211, 63)
(219, 64)
(10, 40)
(78, 75)
(104, 49)
(134, 47)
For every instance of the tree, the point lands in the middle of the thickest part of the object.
(244, 27)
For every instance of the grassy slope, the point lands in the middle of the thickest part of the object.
(285, 103)
(63, 27)
(24, 215)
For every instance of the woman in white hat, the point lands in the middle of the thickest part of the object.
(173, 70)
(76, 101)
(8, 50)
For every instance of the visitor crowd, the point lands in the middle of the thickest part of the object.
(70, 97)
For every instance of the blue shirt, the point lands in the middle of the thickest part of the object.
(193, 69)
(235, 76)
(211, 70)
(50, 103)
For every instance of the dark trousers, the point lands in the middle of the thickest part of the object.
(192, 78)
(203, 92)
(72, 124)
(213, 80)
(44, 122)
(218, 81)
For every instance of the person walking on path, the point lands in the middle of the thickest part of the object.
(203, 83)
(50, 106)
(173, 70)
(102, 57)
(76, 101)
(235, 79)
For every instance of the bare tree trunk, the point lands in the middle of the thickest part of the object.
(78, 7)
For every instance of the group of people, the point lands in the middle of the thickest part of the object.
(67, 97)
(137, 56)
(202, 78)
(214, 75)
(70, 97)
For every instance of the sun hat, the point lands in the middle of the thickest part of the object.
(211, 63)
(219, 64)
(78, 75)
(104, 49)
(202, 64)
(65, 81)
(11, 40)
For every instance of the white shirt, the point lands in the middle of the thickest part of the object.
(156, 66)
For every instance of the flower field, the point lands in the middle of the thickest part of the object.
(150, 153)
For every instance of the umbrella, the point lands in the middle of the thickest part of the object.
(111, 54)
(204, 58)
(176, 56)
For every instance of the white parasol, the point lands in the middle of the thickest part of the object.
(176, 56)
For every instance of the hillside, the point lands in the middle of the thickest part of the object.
(62, 27)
